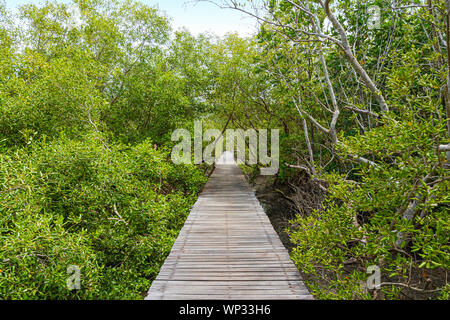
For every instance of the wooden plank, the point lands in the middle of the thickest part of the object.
(248, 283)
(227, 276)
(228, 290)
(219, 269)
(229, 297)
(231, 264)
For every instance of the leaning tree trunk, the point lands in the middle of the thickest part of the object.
(447, 105)
(345, 46)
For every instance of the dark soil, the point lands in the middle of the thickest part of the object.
(277, 208)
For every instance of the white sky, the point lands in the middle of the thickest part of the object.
(196, 17)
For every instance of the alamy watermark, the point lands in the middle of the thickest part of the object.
(374, 280)
(75, 18)
(74, 279)
(251, 146)
(374, 20)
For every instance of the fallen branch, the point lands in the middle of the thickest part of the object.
(285, 196)
(308, 171)
(408, 286)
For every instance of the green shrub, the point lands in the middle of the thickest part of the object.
(363, 219)
(115, 214)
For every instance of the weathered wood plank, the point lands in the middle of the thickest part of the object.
(229, 297)
(248, 283)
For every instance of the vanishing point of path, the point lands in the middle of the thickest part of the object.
(228, 249)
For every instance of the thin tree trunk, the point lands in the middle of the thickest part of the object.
(308, 144)
(352, 59)
(447, 109)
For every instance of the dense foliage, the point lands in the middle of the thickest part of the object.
(85, 179)
(69, 202)
(88, 105)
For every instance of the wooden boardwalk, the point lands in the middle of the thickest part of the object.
(228, 249)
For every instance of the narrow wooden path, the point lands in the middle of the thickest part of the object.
(228, 249)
